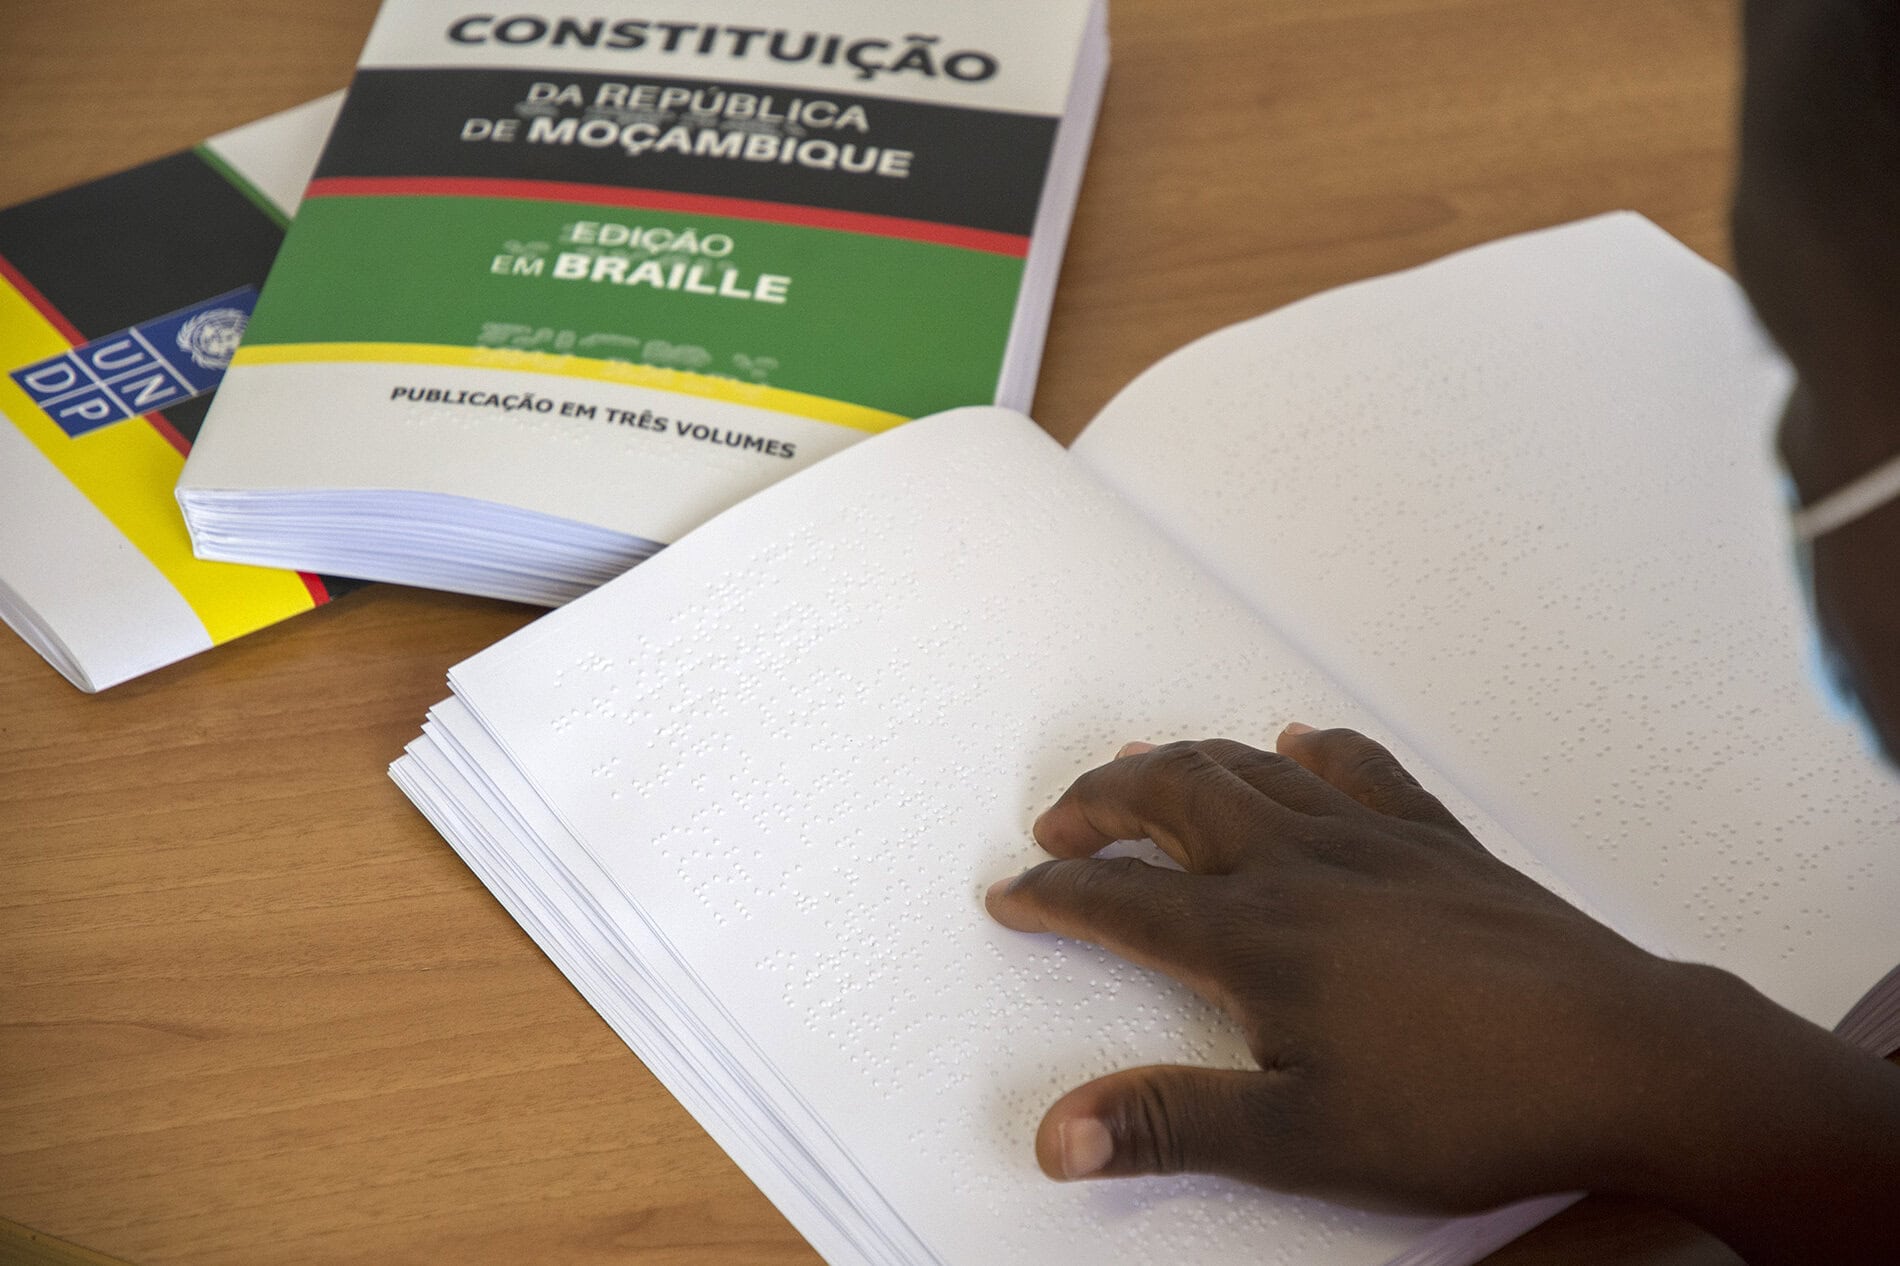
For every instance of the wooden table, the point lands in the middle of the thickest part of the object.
(253, 1009)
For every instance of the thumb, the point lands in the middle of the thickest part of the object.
(1168, 1119)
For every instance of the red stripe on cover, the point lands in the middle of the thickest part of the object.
(171, 434)
(314, 583)
(40, 303)
(68, 331)
(1012, 244)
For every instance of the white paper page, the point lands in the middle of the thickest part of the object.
(576, 902)
(806, 738)
(571, 933)
(1523, 501)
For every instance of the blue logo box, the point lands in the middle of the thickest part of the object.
(155, 363)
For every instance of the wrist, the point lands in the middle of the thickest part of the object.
(1779, 1138)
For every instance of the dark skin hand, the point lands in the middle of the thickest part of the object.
(1435, 1031)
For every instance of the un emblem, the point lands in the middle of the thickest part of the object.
(210, 337)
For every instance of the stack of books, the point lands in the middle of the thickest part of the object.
(560, 290)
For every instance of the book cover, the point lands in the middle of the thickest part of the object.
(121, 301)
(617, 273)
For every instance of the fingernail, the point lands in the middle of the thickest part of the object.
(1134, 749)
(1086, 1146)
(1297, 728)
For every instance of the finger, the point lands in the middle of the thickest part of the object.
(1187, 802)
(1168, 1119)
(1368, 773)
(1149, 915)
(1279, 777)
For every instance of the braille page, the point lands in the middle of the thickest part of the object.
(599, 950)
(806, 738)
(1523, 500)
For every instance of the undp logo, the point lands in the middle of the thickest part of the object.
(209, 338)
(136, 371)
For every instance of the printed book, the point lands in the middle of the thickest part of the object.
(563, 287)
(121, 301)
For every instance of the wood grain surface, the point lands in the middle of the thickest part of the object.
(253, 1009)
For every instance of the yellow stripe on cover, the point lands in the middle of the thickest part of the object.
(707, 386)
(128, 471)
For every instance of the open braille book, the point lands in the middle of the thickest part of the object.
(564, 287)
(1513, 512)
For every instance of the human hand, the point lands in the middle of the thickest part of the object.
(1435, 1031)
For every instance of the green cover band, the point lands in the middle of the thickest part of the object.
(805, 309)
